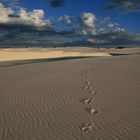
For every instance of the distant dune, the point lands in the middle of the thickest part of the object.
(41, 53)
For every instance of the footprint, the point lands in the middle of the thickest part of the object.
(93, 92)
(88, 83)
(86, 87)
(92, 110)
(87, 71)
(86, 74)
(88, 100)
(87, 127)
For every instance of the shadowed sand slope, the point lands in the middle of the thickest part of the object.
(81, 99)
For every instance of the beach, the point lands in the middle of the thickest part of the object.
(91, 98)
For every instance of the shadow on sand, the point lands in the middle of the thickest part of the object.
(32, 61)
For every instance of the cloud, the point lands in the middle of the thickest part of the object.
(89, 24)
(29, 28)
(86, 24)
(115, 38)
(4, 12)
(128, 5)
(33, 18)
(13, 16)
(57, 3)
(65, 19)
(103, 20)
(110, 28)
(15, 4)
(107, 39)
(6, 1)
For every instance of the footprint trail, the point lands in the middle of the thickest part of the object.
(86, 127)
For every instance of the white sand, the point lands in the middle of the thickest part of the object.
(25, 54)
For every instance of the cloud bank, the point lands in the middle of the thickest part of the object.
(29, 28)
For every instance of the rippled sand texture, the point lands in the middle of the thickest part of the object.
(82, 99)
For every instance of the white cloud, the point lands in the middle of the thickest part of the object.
(34, 18)
(1, 5)
(65, 19)
(86, 24)
(111, 28)
(110, 25)
(4, 12)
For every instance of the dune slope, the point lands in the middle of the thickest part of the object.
(81, 99)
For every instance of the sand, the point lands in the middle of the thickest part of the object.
(80, 99)
(9, 54)
(41, 53)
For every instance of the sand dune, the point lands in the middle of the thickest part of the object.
(41, 53)
(25, 54)
(43, 101)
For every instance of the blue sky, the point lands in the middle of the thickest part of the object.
(70, 21)
(129, 20)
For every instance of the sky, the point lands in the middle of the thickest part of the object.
(69, 22)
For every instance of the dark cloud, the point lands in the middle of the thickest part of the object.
(21, 35)
(13, 16)
(57, 3)
(116, 38)
(17, 35)
(128, 5)
(16, 28)
(107, 39)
